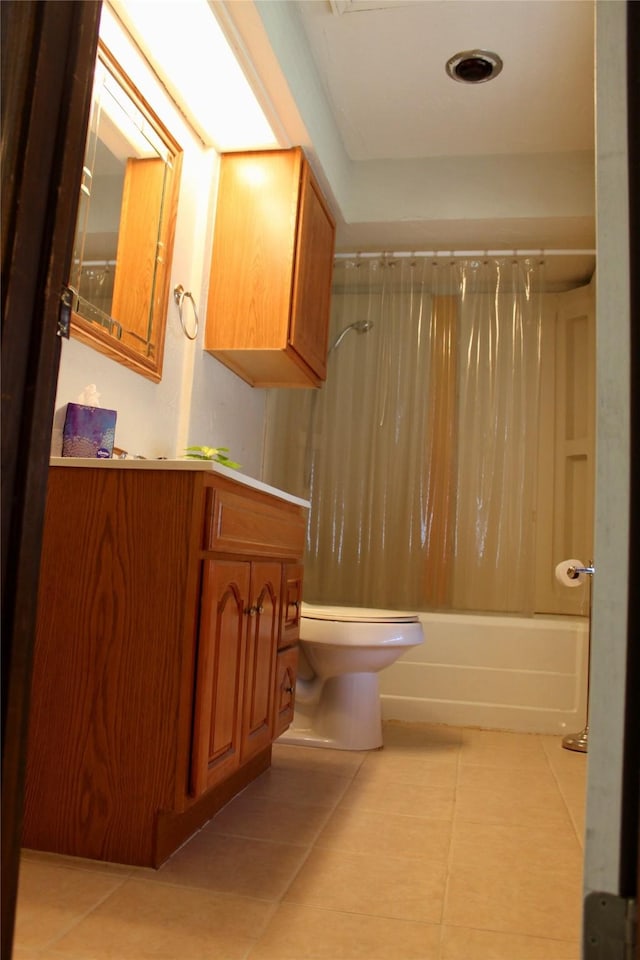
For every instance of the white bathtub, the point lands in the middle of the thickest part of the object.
(499, 672)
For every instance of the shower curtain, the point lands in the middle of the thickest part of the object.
(419, 453)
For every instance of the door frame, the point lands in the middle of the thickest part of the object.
(48, 56)
(611, 846)
(630, 832)
(48, 52)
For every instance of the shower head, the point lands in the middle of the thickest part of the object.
(360, 326)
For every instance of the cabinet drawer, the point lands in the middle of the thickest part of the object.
(237, 523)
(286, 672)
(291, 604)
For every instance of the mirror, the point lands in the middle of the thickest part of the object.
(126, 220)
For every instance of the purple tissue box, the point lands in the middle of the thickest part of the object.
(88, 432)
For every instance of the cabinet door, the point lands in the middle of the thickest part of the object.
(291, 604)
(253, 251)
(220, 671)
(312, 283)
(286, 672)
(262, 642)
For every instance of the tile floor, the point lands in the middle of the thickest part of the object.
(447, 844)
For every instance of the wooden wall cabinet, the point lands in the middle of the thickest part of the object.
(271, 268)
(155, 688)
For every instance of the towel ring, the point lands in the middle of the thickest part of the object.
(179, 294)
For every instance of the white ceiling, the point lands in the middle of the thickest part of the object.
(382, 65)
(413, 160)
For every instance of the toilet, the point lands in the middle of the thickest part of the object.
(342, 650)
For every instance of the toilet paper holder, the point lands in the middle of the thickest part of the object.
(580, 741)
(574, 572)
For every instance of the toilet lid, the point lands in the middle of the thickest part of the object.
(356, 614)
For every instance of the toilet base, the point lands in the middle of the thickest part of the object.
(346, 716)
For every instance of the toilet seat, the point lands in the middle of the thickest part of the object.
(356, 614)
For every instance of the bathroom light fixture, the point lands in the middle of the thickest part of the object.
(187, 47)
(474, 66)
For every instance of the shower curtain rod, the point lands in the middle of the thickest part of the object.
(466, 253)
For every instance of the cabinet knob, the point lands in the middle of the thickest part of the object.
(289, 689)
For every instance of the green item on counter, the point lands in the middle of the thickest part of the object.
(219, 454)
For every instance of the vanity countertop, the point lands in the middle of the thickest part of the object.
(206, 465)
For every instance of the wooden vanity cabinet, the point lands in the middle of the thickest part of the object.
(160, 619)
(271, 268)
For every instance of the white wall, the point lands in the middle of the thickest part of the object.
(198, 400)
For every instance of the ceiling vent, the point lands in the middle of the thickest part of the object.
(474, 66)
(338, 7)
